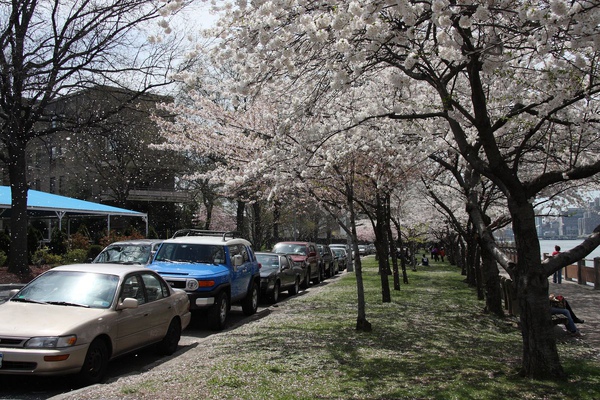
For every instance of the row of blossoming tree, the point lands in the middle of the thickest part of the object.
(350, 100)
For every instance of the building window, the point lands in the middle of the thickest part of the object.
(53, 184)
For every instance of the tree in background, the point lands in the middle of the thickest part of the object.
(52, 49)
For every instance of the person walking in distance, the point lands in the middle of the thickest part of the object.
(557, 277)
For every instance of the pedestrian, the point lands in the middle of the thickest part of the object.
(442, 253)
(425, 261)
(557, 277)
(435, 253)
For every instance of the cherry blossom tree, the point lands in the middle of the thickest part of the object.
(510, 85)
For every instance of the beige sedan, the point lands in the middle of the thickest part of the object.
(75, 318)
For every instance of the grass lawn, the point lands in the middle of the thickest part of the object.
(431, 342)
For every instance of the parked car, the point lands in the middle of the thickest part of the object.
(216, 269)
(362, 250)
(137, 251)
(348, 248)
(278, 273)
(73, 319)
(304, 255)
(342, 257)
(329, 264)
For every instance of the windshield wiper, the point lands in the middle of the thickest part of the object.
(23, 300)
(66, 303)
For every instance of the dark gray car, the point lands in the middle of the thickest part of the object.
(277, 274)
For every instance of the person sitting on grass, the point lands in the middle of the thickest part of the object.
(425, 261)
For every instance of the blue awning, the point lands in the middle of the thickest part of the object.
(42, 204)
(42, 201)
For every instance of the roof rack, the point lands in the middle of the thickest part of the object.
(201, 232)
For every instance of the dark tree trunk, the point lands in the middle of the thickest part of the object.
(540, 354)
(18, 258)
(382, 247)
(257, 231)
(362, 324)
(491, 283)
(240, 219)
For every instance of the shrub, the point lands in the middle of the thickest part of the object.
(3, 257)
(79, 241)
(43, 256)
(117, 237)
(58, 242)
(93, 251)
(75, 256)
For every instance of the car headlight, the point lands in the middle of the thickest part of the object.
(191, 284)
(51, 342)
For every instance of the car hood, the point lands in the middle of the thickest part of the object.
(185, 269)
(297, 258)
(29, 319)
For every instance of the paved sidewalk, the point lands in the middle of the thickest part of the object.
(585, 302)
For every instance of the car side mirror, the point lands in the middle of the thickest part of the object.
(127, 302)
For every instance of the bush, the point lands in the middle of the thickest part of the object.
(79, 241)
(93, 251)
(58, 242)
(3, 257)
(43, 257)
(75, 256)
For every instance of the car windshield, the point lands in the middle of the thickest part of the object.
(267, 261)
(125, 254)
(289, 248)
(191, 253)
(71, 288)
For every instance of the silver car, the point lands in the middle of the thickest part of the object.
(134, 251)
(74, 319)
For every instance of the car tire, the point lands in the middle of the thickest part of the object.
(306, 281)
(250, 302)
(169, 344)
(317, 279)
(95, 363)
(296, 288)
(217, 314)
(275, 295)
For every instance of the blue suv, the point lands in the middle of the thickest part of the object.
(216, 269)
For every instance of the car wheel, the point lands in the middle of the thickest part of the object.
(306, 281)
(275, 294)
(296, 288)
(217, 314)
(170, 342)
(318, 277)
(95, 363)
(250, 303)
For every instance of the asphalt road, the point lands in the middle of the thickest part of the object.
(14, 387)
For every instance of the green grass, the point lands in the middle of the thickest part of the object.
(431, 342)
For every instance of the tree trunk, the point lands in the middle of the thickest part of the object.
(382, 247)
(491, 283)
(540, 354)
(361, 319)
(257, 231)
(240, 220)
(18, 259)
